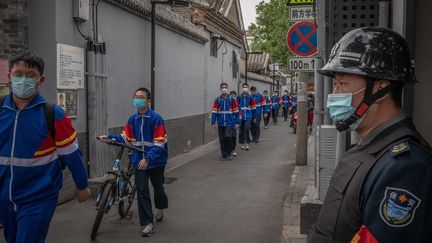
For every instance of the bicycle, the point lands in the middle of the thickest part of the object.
(118, 184)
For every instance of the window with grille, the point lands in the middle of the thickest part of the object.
(346, 15)
(213, 47)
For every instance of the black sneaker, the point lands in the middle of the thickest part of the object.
(159, 215)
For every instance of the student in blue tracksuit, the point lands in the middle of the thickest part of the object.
(30, 171)
(276, 101)
(255, 126)
(146, 129)
(267, 109)
(247, 108)
(225, 114)
(285, 104)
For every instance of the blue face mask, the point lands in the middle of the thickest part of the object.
(340, 107)
(23, 87)
(140, 103)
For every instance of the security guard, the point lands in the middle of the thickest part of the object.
(381, 190)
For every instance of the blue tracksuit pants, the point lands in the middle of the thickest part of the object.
(30, 223)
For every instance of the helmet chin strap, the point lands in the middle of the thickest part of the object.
(367, 102)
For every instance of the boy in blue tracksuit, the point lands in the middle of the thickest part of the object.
(255, 126)
(30, 171)
(267, 109)
(247, 108)
(146, 129)
(285, 104)
(276, 101)
(225, 114)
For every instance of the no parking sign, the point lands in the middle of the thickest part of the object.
(302, 38)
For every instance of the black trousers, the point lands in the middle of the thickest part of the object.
(266, 120)
(244, 132)
(285, 112)
(157, 178)
(227, 140)
(255, 129)
(275, 115)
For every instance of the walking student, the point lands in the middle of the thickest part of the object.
(225, 114)
(255, 126)
(267, 109)
(146, 129)
(276, 101)
(37, 140)
(247, 109)
(285, 104)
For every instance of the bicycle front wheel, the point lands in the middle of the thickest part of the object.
(101, 209)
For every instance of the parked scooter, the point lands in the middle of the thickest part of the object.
(294, 122)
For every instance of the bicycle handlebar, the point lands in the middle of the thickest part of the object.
(118, 144)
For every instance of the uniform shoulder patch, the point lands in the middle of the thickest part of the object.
(398, 207)
(399, 149)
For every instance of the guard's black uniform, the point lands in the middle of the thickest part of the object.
(385, 184)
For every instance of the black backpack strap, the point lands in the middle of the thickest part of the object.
(49, 110)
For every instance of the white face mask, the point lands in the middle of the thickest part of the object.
(245, 90)
(224, 91)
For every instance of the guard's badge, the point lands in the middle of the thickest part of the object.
(399, 149)
(398, 207)
(333, 52)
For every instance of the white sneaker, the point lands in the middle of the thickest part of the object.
(243, 147)
(234, 153)
(159, 215)
(247, 147)
(148, 230)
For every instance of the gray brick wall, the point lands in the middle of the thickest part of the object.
(14, 28)
(210, 133)
(184, 134)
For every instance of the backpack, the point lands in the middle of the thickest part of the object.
(49, 111)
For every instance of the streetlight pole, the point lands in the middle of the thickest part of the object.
(246, 68)
(153, 37)
(273, 88)
(153, 40)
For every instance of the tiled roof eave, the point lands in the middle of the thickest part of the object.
(164, 17)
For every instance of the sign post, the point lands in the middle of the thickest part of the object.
(302, 41)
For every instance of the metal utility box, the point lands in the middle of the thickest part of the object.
(81, 10)
(326, 157)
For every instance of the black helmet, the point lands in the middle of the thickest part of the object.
(378, 53)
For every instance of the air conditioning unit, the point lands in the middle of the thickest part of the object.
(327, 137)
